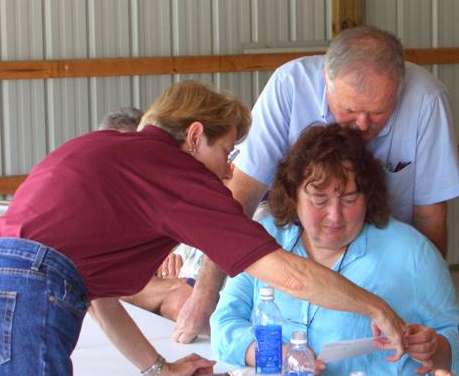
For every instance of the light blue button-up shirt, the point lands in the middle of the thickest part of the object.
(419, 132)
(396, 263)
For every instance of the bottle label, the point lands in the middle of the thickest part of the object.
(268, 351)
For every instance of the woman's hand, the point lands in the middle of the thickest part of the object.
(192, 364)
(170, 268)
(421, 343)
(319, 367)
(442, 372)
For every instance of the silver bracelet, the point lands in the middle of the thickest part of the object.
(156, 368)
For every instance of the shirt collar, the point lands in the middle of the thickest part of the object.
(158, 133)
(357, 248)
(383, 132)
(327, 116)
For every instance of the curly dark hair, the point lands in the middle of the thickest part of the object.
(325, 152)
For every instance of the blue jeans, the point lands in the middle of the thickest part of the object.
(43, 300)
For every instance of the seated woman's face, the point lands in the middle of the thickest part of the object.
(332, 215)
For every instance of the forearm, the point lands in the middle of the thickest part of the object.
(210, 280)
(431, 221)
(442, 356)
(123, 332)
(246, 190)
(308, 280)
(193, 317)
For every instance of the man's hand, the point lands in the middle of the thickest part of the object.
(190, 365)
(170, 268)
(193, 318)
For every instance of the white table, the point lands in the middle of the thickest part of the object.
(95, 355)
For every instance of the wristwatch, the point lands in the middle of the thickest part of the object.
(156, 368)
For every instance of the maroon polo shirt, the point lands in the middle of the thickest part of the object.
(117, 203)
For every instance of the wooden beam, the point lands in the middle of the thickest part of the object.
(431, 56)
(346, 14)
(23, 70)
(43, 69)
(9, 184)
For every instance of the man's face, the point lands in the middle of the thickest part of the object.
(367, 110)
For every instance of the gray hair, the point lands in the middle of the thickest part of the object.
(123, 119)
(365, 48)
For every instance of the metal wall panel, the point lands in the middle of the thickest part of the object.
(23, 102)
(382, 14)
(192, 32)
(109, 29)
(231, 30)
(308, 20)
(448, 27)
(270, 21)
(448, 36)
(67, 100)
(270, 24)
(154, 39)
(415, 23)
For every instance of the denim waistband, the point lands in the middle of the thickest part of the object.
(40, 254)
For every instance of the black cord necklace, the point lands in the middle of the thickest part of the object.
(310, 320)
(338, 270)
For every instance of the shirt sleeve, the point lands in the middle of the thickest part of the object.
(231, 328)
(268, 139)
(437, 163)
(200, 211)
(437, 297)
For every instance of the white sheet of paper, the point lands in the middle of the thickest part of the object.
(335, 351)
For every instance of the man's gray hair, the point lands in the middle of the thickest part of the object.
(123, 119)
(363, 49)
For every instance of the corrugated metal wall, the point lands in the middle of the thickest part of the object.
(38, 115)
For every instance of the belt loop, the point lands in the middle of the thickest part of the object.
(41, 254)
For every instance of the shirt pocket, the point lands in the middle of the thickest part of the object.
(7, 306)
(400, 186)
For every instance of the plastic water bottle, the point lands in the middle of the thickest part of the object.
(268, 334)
(300, 358)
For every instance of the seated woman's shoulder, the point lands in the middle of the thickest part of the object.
(284, 235)
(399, 235)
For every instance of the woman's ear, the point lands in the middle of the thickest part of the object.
(193, 137)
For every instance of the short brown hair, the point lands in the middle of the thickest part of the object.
(188, 101)
(323, 152)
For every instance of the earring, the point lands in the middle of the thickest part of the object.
(193, 149)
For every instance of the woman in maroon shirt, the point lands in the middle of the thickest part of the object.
(95, 218)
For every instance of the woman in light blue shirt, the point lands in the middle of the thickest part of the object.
(329, 202)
